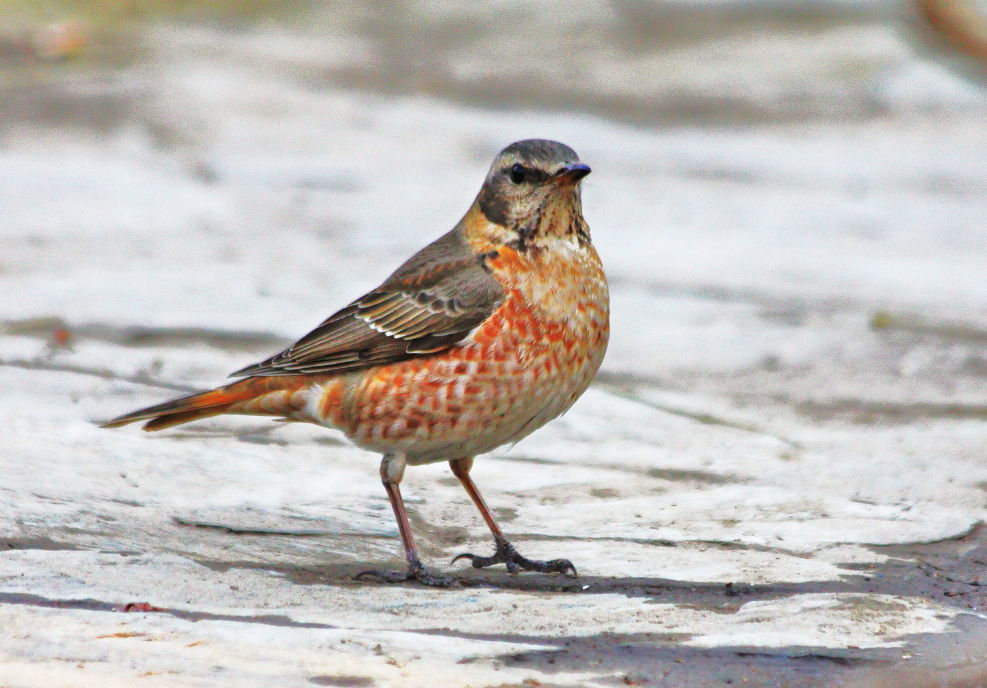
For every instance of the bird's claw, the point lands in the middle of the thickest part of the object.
(507, 555)
(415, 573)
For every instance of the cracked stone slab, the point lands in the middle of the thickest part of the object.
(778, 474)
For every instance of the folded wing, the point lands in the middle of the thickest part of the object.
(429, 304)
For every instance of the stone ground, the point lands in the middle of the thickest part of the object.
(778, 478)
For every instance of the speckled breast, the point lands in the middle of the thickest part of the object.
(522, 367)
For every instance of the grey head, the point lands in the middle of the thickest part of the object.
(528, 175)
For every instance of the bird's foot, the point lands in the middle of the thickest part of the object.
(507, 555)
(416, 573)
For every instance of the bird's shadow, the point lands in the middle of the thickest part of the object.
(719, 596)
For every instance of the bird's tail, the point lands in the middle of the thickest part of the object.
(231, 398)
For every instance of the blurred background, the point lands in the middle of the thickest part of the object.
(159, 157)
(790, 198)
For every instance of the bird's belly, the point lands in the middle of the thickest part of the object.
(513, 375)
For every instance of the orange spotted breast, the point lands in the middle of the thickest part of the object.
(520, 368)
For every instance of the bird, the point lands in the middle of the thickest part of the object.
(480, 338)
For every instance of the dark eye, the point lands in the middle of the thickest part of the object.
(518, 173)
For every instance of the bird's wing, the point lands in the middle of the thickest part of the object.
(431, 302)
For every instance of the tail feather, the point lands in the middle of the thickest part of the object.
(185, 409)
(173, 419)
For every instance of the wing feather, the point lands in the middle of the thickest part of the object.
(430, 303)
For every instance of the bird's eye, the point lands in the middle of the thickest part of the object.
(518, 173)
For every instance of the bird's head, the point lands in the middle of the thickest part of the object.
(532, 193)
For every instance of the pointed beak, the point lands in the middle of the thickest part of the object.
(571, 173)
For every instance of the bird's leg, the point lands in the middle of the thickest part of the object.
(391, 471)
(505, 554)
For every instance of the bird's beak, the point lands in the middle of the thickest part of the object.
(571, 173)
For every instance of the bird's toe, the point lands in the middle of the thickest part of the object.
(506, 554)
(415, 573)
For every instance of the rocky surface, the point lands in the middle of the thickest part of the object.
(777, 479)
